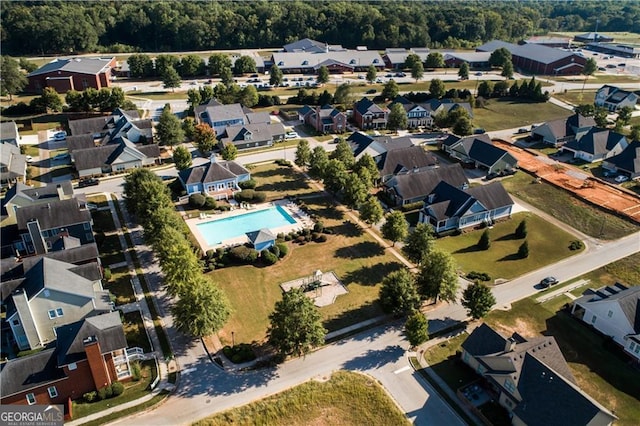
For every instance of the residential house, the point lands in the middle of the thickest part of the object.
(336, 61)
(539, 59)
(218, 116)
(479, 151)
(417, 114)
(375, 146)
(449, 208)
(53, 226)
(368, 115)
(325, 119)
(563, 130)
(395, 58)
(51, 294)
(88, 355)
(627, 162)
(414, 187)
(21, 195)
(476, 60)
(531, 380)
(216, 179)
(13, 165)
(407, 160)
(614, 98)
(615, 312)
(9, 133)
(245, 136)
(596, 145)
(261, 239)
(121, 122)
(78, 73)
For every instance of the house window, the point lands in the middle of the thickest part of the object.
(59, 312)
(610, 314)
(508, 384)
(88, 236)
(46, 293)
(16, 322)
(55, 313)
(53, 392)
(86, 226)
(631, 346)
(72, 366)
(593, 319)
(31, 399)
(637, 351)
(52, 313)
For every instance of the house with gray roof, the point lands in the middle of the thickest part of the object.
(530, 378)
(51, 294)
(563, 130)
(417, 114)
(627, 162)
(9, 133)
(413, 187)
(448, 208)
(407, 160)
(21, 195)
(261, 239)
(118, 155)
(596, 145)
(217, 179)
(368, 115)
(89, 355)
(13, 165)
(614, 98)
(78, 73)
(324, 119)
(615, 312)
(479, 151)
(252, 135)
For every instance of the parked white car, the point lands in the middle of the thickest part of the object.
(622, 178)
(291, 135)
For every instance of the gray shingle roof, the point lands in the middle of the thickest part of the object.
(58, 276)
(212, 172)
(82, 65)
(90, 125)
(309, 45)
(420, 184)
(365, 105)
(8, 130)
(261, 236)
(627, 298)
(404, 160)
(297, 60)
(484, 340)
(597, 141)
(492, 196)
(565, 126)
(21, 374)
(450, 201)
(628, 159)
(56, 214)
(84, 141)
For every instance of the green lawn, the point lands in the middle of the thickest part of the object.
(280, 181)
(547, 244)
(504, 114)
(345, 399)
(442, 359)
(135, 331)
(120, 286)
(563, 206)
(110, 250)
(31, 150)
(577, 97)
(102, 221)
(275, 147)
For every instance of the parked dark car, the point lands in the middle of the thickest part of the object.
(548, 282)
(88, 182)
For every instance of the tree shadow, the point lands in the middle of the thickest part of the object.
(371, 275)
(471, 249)
(284, 186)
(374, 358)
(278, 171)
(361, 250)
(508, 237)
(513, 256)
(347, 228)
(328, 212)
(347, 318)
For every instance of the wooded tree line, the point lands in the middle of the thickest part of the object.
(59, 27)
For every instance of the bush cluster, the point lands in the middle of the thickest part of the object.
(480, 276)
(115, 389)
(412, 206)
(250, 196)
(239, 353)
(576, 245)
(268, 257)
(248, 184)
(196, 200)
(244, 254)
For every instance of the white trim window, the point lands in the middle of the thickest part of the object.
(31, 398)
(53, 392)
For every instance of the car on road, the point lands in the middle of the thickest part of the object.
(523, 130)
(621, 178)
(478, 74)
(401, 74)
(291, 135)
(548, 282)
(82, 183)
(60, 136)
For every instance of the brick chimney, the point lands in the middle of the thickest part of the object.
(96, 363)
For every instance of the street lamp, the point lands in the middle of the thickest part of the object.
(233, 339)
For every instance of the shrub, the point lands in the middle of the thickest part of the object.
(301, 239)
(136, 371)
(248, 184)
(412, 206)
(239, 353)
(223, 208)
(576, 245)
(244, 254)
(318, 227)
(117, 388)
(210, 203)
(196, 200)
(485, 242)
(523, 250)
(284, 249)
(481, 276)
(107, 274)
(211, 254)
(275, 250)
(250, 195)
(90, 396)
(321, 239)
(268, 257)
(105, 393)
(288, 237)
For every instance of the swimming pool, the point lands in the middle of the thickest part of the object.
(217, 231)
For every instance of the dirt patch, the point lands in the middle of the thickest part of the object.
(522, 327)
(590, 189)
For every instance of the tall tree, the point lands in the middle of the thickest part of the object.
(295, 325)
(372, 73)
(218, 62)
(463, 126)
(417, 71)
(318, 162)
(303, 153)
(395, 227)
(411, 60)
(226, 76)
(342, 94)
(140, 65)
(204, 138)
(355, 191)
(275, 76)
(418, 243)
(164, 62)
(49, 100)
(463, 72)
(171, 79)
(371, 211)
(249, 96)
(366, 162)
(189, 127)
(397, 117)
(499, 57)
(390, 90)
(437, 88)
(203, 310)
(398, 293)
(343, 153)
(485, 241)
(181, 267)
(229, 152)
(182, 158)
(435, 60)
(194, 98)
(437, 278)
(600, 116)
(507, 69)
(169, 129)
(624, 115)
(478, 300)
(335, 176)
(191, 65)
(323, 75)
(416, 328)
(589, 68)
(244, 64)
(13, 79)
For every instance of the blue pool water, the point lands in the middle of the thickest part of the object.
(216, 231)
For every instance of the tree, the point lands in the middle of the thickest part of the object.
(189, 128)
(418, 243)
(244, 64)
(164, 62)
(372, 73)
(202, 310)
(600, 116)
(463, 126)
(355, 191)
(499, 57)
(411, 60)
(194, 98)
(390, 90)
(435, 60)
(478, 299)
(204, 138)
(437, 278)
(191, 65)
(318, 162)
(181, 267)
(463, 72)
(589, 68)
(335, 176)
(343, 153)
(48, 101)
(226, 76)
(371, 211)
(437, 88)
(395, 228)
(343, 94)
(13, 79)
(585, 110)
(275, 76)
(182, 158)
(507, 70)
(169, 129)
(521, 230)
(624, 115)
(485, 241)
(398, 293)
(366, 162)
(74, 100)
(27, 65)
(635, 133)
(417, 71)
(485, 89)
(140, 65)
(171, 79)
(523, 250)
(416, 328)
(303, 153)
(249, 96)
(397, 117)
(229, 152)
(218, 62)
(295, 325)
(323, 75)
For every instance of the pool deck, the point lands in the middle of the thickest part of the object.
(302, 221)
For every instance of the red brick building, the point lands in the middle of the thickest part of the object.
(78, 74)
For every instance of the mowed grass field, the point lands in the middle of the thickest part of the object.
(506, 114)
(547, 244)
(345, 399)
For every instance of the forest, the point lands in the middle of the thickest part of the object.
(71, 27)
